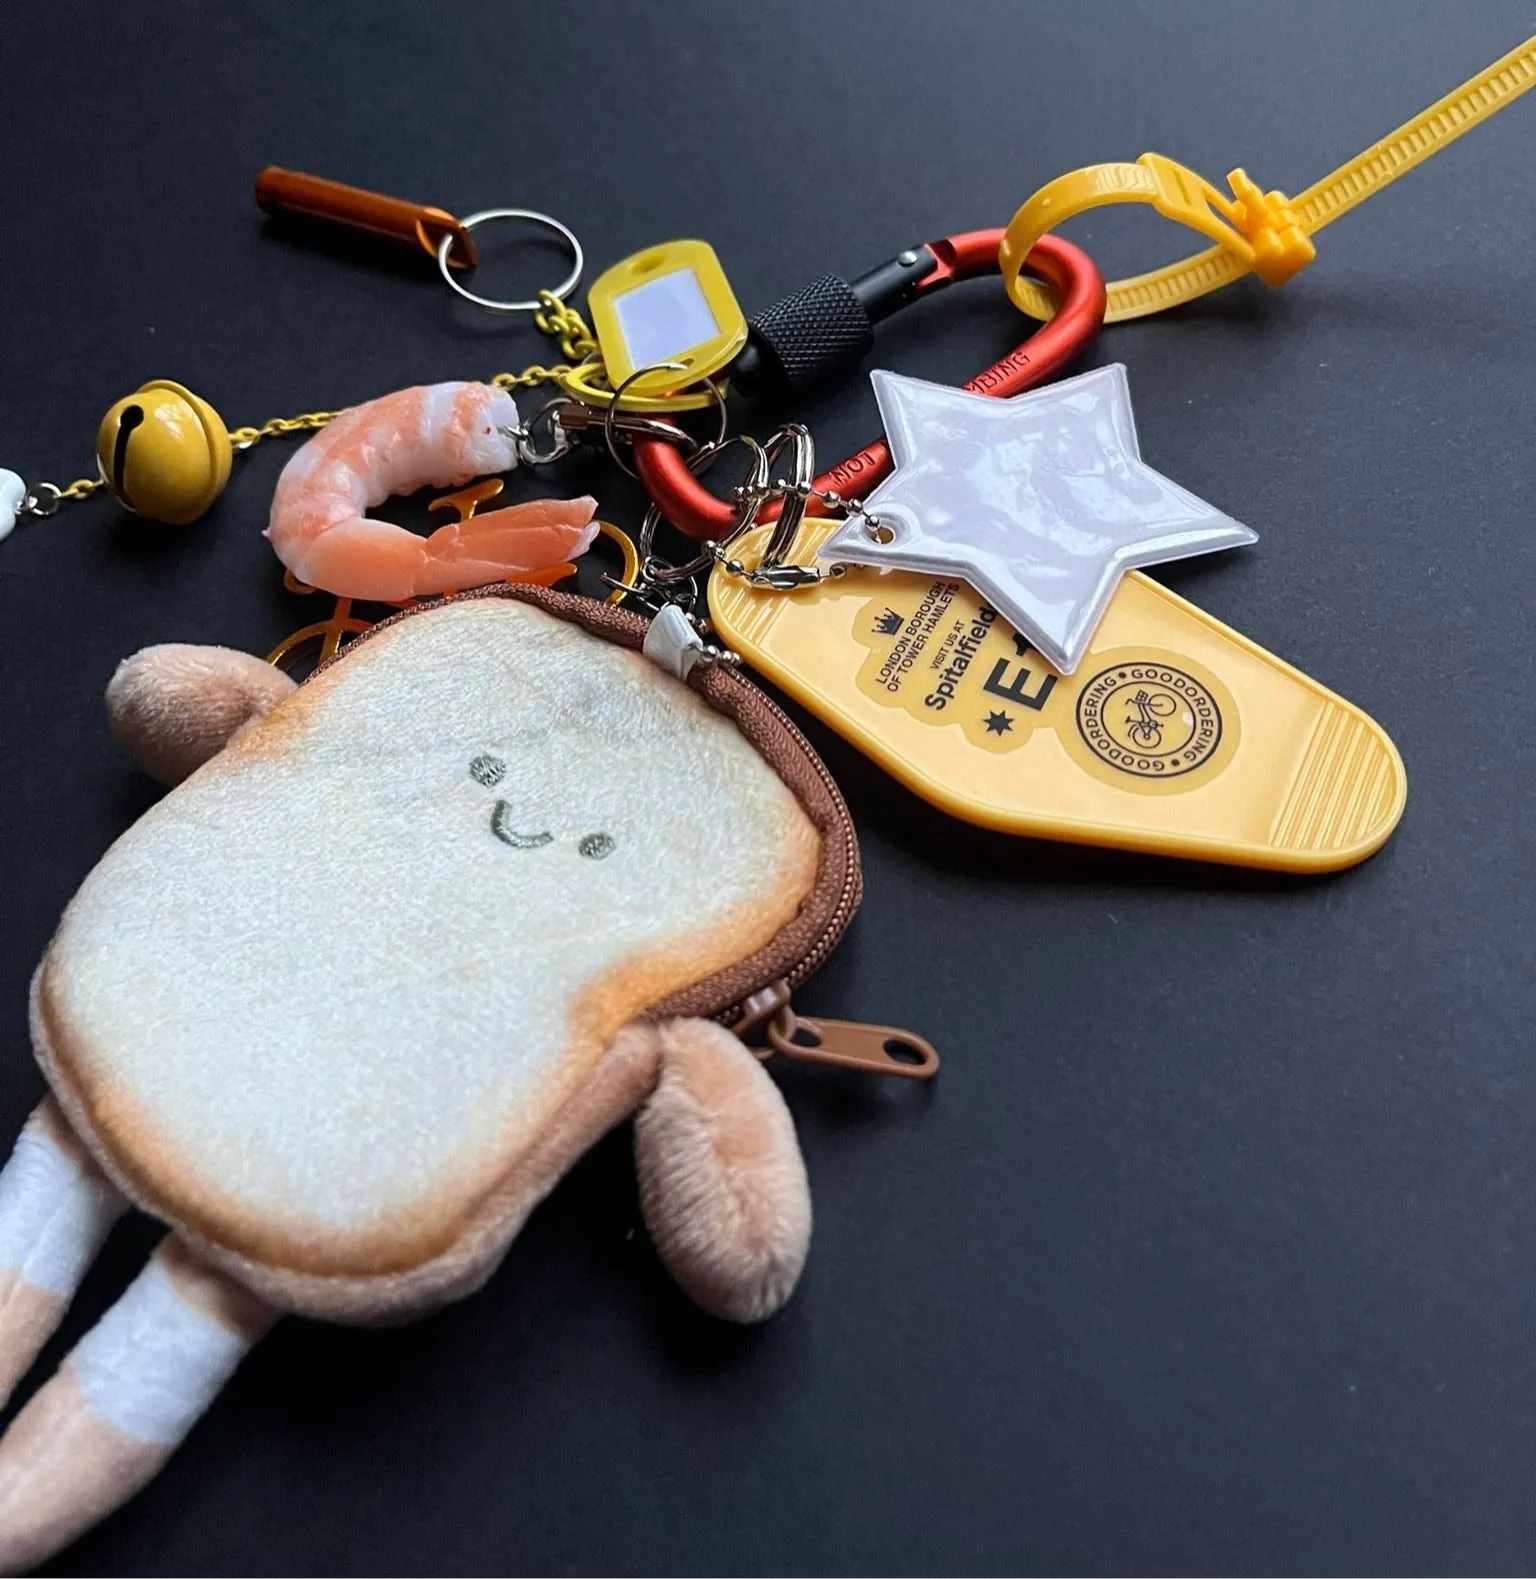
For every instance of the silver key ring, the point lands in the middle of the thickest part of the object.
(529, 217)
(653, 570)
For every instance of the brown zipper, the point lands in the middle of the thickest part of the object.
(853, 886)
(849, 1044)
(736, 995)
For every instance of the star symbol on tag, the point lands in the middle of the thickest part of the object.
(1041, 502)
(999, 723)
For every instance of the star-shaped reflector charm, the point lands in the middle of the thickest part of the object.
(1042, 502)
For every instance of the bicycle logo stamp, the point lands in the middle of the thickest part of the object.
(1149, 719)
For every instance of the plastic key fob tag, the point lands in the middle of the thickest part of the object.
(1175, 735)
(670, 303)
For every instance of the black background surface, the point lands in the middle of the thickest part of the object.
(1212, 1248)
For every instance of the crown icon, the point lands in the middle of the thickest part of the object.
(888, 623)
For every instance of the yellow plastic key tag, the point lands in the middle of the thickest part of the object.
(668, 304)
(1175, 735)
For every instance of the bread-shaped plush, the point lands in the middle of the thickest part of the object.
(343, 1006)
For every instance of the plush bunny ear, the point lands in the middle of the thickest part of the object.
(174, 706)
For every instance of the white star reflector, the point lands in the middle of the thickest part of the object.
(1042, 502)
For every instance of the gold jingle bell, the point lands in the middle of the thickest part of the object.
(164, 453)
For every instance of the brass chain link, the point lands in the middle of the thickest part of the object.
(565, 324)
(81, 488)
(553, 318)
(277, 427)
(560, 323)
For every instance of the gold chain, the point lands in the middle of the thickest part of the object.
(277, 427)
(553, 318)
(81, 488)
(567, 326)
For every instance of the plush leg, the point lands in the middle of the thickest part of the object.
(118, 1406)
(56, 1208)
(174, 706)
(722, 1183)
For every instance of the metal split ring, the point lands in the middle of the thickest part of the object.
(611, 418)
(41, 500)
(525, 216)
(796, 438)
(658, 572)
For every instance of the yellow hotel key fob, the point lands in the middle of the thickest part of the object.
(1175, 735)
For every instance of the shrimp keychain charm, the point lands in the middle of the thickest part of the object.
(437, 435)
(165, 454)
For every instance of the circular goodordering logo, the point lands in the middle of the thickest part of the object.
(1149, 719)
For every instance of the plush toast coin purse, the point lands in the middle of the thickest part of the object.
(343, 1006)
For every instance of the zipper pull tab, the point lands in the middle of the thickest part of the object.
(849, 1044)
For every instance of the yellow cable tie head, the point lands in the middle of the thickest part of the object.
(1270, 226)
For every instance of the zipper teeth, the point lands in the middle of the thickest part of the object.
(842, 912)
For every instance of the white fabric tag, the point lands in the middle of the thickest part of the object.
(672, 643)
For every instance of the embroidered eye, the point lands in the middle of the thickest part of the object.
(501, 826)
(597, 846)
(487, 770)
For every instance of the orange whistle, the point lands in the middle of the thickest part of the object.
(281, 191)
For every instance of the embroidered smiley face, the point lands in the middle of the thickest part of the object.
(490, 771)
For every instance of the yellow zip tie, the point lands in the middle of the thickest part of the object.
(1263, 233)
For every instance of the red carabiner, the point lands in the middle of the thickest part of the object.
(1068, 272)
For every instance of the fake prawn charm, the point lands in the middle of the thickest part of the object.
(433, 435)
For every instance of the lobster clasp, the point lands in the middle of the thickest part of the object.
(785, 578)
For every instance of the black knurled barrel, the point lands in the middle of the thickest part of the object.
(806, 339)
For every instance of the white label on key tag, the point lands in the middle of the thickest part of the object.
(663, 317)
